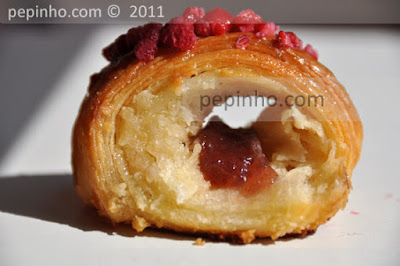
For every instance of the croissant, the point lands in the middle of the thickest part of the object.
(141, 154)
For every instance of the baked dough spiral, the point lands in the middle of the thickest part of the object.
(134, 159)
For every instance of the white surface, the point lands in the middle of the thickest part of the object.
(43, 223)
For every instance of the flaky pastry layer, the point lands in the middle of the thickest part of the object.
(133, 159)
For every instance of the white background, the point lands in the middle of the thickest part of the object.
(43, 223)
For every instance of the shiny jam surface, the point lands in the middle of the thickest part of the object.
(233, 158)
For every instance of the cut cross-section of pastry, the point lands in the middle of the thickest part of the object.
(142, 155)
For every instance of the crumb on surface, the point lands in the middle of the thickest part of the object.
(199, 242)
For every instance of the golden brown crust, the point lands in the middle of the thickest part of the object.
(110, 88)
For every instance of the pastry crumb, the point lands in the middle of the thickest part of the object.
(199, 242)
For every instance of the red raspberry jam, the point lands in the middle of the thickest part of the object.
(233, 159)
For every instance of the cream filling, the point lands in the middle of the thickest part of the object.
(160, 167)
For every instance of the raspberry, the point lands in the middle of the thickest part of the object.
(242, 42)
(215, 22)
(148, 31)
(283, 40)
(297, 43)
(177, 20)
(133, 36)
(179, 36)
(121, 44)
(193, 14)
(311, 51)
(181, 32)
(290, 40)
(146, 49)
(266, 28)
(151, 31)
(110, 52)
(116, 49)
(203, 29)
(245, 21)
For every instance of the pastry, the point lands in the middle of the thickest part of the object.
(141, 154)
